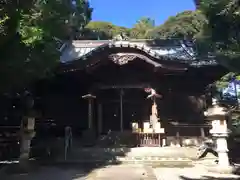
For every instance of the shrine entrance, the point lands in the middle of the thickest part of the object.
(128, 105)
(129, 111)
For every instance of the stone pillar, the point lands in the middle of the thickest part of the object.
(90, 98)
(99, 118)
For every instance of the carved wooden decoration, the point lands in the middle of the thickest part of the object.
(122, 59)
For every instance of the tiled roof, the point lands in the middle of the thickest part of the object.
(173, 50)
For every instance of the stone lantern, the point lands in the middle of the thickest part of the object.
(27, 133)
(219, 131)
(27, 130)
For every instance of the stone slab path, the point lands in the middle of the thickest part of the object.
(114, 172)
(48, 174)
(118, 172)
(122, 172)
(195, 173)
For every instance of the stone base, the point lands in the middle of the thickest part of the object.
(222, 169)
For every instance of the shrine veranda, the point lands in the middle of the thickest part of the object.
(102, 87)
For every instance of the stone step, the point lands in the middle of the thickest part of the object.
(144, 155)
(151, 161)
(138, 151)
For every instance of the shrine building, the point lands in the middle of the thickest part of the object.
(153, 88)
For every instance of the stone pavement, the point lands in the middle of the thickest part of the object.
(195, 173)
(48, 173)
(114, 172)
(122, 172)
(118, 172)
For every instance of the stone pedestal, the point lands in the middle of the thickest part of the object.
(222, 149)
(148, 129)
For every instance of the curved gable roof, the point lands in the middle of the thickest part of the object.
(155, 50)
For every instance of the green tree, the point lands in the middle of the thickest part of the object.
(103, 30)
(29, 37)
(141, 28)
(223, 30)
(187, 24)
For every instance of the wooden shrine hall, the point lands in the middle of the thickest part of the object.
(154, 89)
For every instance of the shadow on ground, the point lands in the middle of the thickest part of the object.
(52, 170)
(58, 172)
(49, 162)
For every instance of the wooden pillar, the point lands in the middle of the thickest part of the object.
(99, 118)
(121, 110)
(90, 99)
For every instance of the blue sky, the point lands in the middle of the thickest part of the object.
(127, 12)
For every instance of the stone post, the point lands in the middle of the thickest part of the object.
(219, 131)
(90, 98)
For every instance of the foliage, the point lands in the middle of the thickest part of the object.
(29, 37)
(223, 29)
(103, 30)
(185, 25)
(142, 28)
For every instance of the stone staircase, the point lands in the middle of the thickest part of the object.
(155, 156)
(120, 148)
(117, 139)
